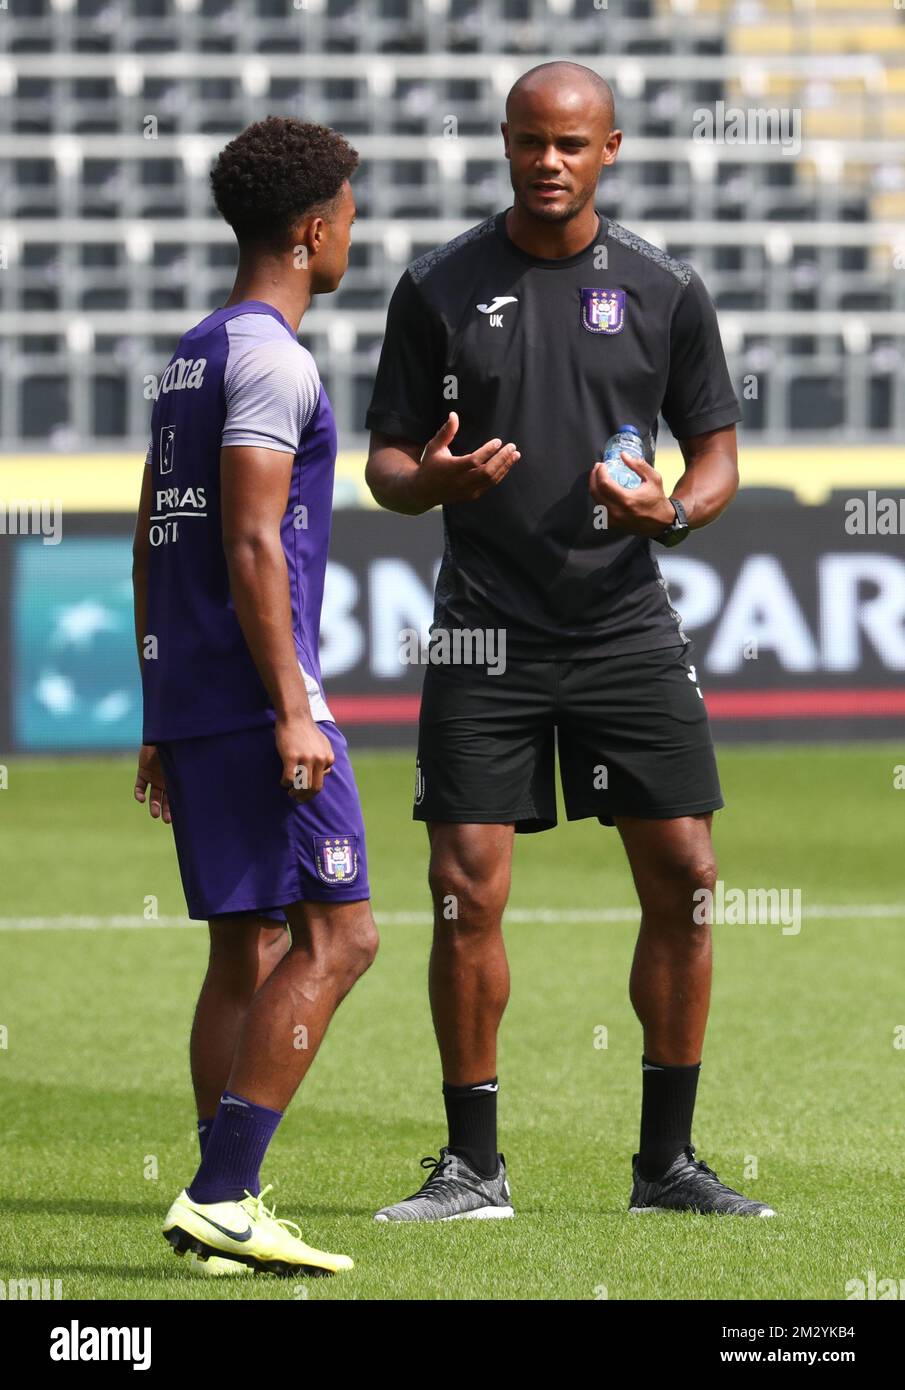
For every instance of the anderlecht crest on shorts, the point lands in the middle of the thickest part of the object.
(602, 311)
(336, 857)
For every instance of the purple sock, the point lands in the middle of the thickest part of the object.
(236, 1144)
(204, 1133)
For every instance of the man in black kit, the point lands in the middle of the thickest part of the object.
(554, 326)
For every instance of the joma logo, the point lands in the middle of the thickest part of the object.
(492, 310)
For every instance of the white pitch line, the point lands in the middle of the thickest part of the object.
(821, 913)
(66, 923)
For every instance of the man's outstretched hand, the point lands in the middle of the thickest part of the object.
(150, 774)
(445, 477)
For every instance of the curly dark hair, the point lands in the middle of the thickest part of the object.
(274, 173)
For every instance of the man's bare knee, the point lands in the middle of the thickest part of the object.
(672, 895)
(362, 938)
(239, 946)
(341, 937)
(683, 873)
(469, 875)
(273, 942)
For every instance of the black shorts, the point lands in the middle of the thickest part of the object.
(632, 733)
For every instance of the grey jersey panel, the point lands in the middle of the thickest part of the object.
(271, 383)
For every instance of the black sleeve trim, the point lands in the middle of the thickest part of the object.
(702, 424)
(403, 426)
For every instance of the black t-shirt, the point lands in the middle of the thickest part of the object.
(554, 355)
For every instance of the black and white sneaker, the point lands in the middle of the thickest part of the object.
(454, 1191)
(689, 1185)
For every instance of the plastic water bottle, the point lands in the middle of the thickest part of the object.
(626, 439)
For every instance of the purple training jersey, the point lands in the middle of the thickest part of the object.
(239, 377)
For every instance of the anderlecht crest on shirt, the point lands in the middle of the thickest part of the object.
(602, 311)
(336, 857)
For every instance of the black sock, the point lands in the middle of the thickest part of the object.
(667, 1107)
(471, 1116)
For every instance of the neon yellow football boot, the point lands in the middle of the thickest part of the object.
(248, 1233)
(215, 1266)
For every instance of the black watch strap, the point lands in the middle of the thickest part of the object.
(678, 529)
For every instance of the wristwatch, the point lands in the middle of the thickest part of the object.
(678, 529)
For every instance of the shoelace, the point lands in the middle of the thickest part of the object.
(702, 1167)
(441, 1179)
(707, 1172)
(438, 1165)
(270, 1212)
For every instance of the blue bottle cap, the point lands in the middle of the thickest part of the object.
(628, 429)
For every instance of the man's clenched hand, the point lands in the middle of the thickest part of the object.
(150, 774)
(644, 510)
(306, 754)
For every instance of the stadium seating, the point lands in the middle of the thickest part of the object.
(111, 113)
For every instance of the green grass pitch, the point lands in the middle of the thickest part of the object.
(801, 1072)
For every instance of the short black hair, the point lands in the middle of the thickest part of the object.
(274, 173)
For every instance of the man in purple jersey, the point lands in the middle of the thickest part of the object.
(240, 751)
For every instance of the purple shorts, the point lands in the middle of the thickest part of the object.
(243, 844)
